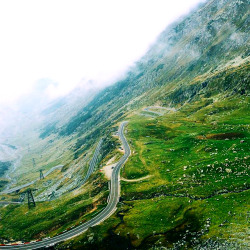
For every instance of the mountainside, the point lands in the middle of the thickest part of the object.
(212, 42)
(185, 184)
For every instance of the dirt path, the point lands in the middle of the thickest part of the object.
(135, 180)
(108, 169)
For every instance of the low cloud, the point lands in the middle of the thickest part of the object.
(67, 41)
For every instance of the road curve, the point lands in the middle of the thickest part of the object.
(92, 164)
(3, 203)
(11, 190)
(147, 109)
(103, 215)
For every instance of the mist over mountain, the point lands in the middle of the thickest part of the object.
(185, 50)
(158, 159)
(38, 107)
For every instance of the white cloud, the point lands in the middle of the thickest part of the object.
(66, 41)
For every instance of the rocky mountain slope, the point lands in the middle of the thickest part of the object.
(186, 183)
(210, 43)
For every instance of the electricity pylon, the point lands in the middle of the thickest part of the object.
(31, 201)
(41, 174)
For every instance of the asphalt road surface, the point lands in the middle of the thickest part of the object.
(92, 164)
(11, 190)
(147, 109)
(103, 215)
(3, 203)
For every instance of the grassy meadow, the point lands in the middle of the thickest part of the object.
(196, 161)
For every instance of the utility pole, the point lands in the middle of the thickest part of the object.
(31, 201)
(41, 174)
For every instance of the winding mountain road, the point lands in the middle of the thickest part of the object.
(11, 190)
(147, 109)
(92, 164)
(103, 215)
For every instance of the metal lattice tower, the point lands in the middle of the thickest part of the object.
(41, 174)
(31, 201)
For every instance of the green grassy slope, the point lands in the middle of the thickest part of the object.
(52, 217)
(195, 160)
(196, 193)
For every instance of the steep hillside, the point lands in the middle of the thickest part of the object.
(185, 184)
(207, 44)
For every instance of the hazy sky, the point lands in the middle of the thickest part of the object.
(68, 41)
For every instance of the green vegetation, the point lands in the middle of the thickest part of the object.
(3, 183)
(197, 160)
(50, 218)
(4, 166)
(48, 130)
(199, 156)
(186, 183)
